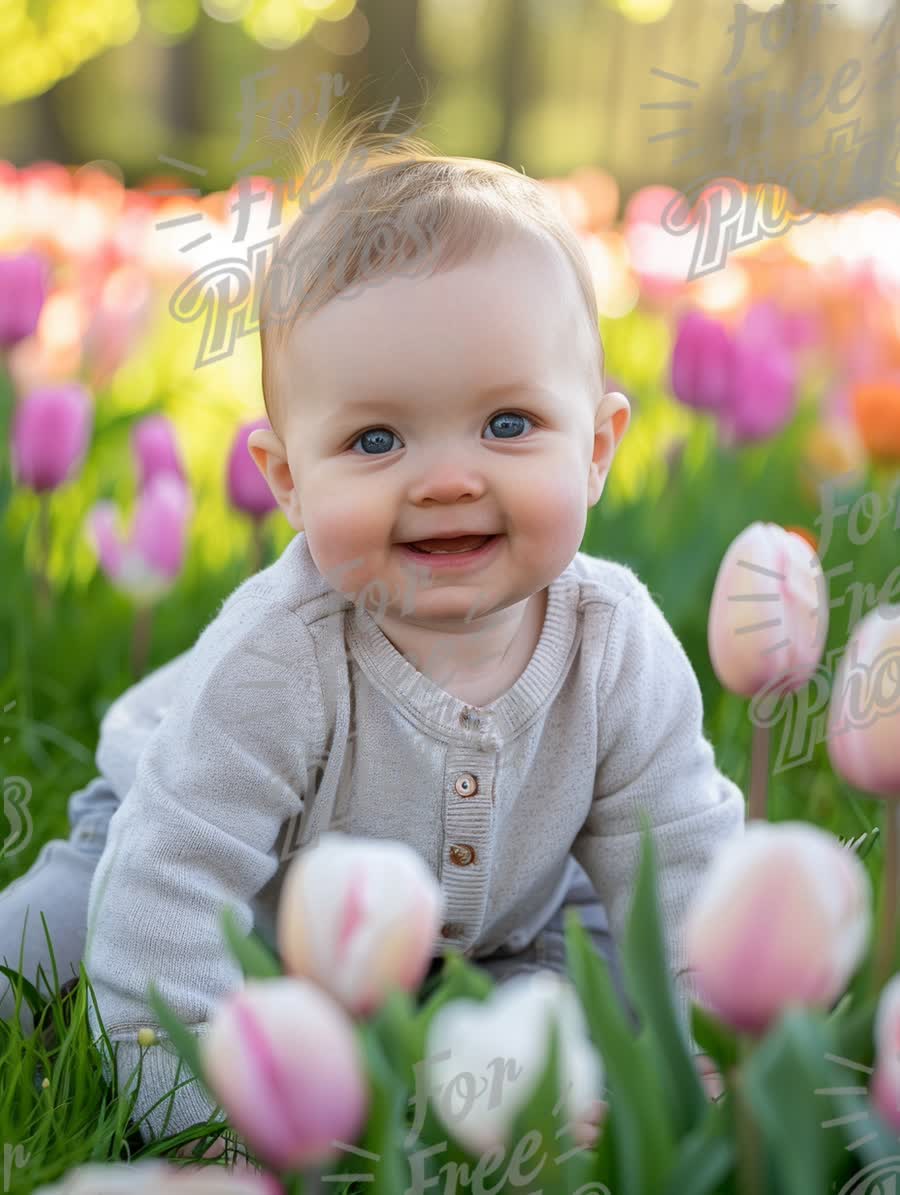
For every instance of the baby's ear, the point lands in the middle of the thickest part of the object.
(610, 424)
(271, 459)
(616, 409)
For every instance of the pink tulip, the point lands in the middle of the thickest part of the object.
(782, 917)
(51, 431)
(864, 716)
(359, 917)
(152, 1176)
(282, 1059)
(768, 618)
(120, 315)
(147, 565)
(24, 280)
(248, 490)
(156, 449)
(885, 1087)
(703, 362)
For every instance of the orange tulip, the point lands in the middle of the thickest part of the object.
(876, 408)
(810, 538)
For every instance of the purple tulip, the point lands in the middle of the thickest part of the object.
(248, 490)
(702, 362)
(766, 322)
(147, 565)
(763, 390)
(51, 431)
(24, 280)
(156, 449)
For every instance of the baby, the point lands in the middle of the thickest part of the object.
(431, 659)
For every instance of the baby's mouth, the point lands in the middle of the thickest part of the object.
(447, 547)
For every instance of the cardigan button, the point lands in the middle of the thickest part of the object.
(462, 854)
(466, 785)
(451, 929)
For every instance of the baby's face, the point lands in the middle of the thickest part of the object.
(399, 431)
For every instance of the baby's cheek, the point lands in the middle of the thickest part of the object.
(554, 510)
(342, 539)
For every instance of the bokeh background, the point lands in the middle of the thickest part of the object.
(786, 377)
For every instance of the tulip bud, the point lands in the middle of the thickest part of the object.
(864, 716)
(50, 436)
(156, 449)
(467, 1039)
(768, 618)
(359, 917)
(152, 1176)
(148, 564)
(885, 1088)
(24, 279)
(782, 917)
(248, 490)
(282, 1059)
(702, 362)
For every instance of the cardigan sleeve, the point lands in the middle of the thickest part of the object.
(653, 757)
(224, 768)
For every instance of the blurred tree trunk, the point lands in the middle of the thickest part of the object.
(50, 142)
(512, 74)
(186, 84)
(392, 68)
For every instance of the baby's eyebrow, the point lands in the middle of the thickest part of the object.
(498, 390)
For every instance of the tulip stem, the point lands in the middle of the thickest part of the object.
(759, 773)
(257, 546)
(140, 640)
(749, 1143)
(887, 932)
(44, 539)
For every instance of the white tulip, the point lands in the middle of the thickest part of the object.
(484, 1059)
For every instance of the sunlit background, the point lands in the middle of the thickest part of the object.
(132, 137)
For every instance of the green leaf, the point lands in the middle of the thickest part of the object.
(853, 1030)
(644, 1140)
(396, 1026)
(780, 1079)
(385, 1126)
(717, 1039)
(651, 985)
(705, 1156)
(255, 958)
(184, 1041)
(542, 1141)
(31, 995)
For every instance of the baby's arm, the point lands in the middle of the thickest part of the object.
(225, 768)
(653, 757)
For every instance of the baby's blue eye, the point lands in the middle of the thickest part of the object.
(505, 426)
(377, 438)
(509, 424)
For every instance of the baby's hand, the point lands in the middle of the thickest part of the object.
(712, 1080)
(585, 1131)
(239, 1165)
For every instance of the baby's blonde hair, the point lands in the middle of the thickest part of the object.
(408, 211)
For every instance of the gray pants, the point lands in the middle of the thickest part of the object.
(58, 883)
(548, 949)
